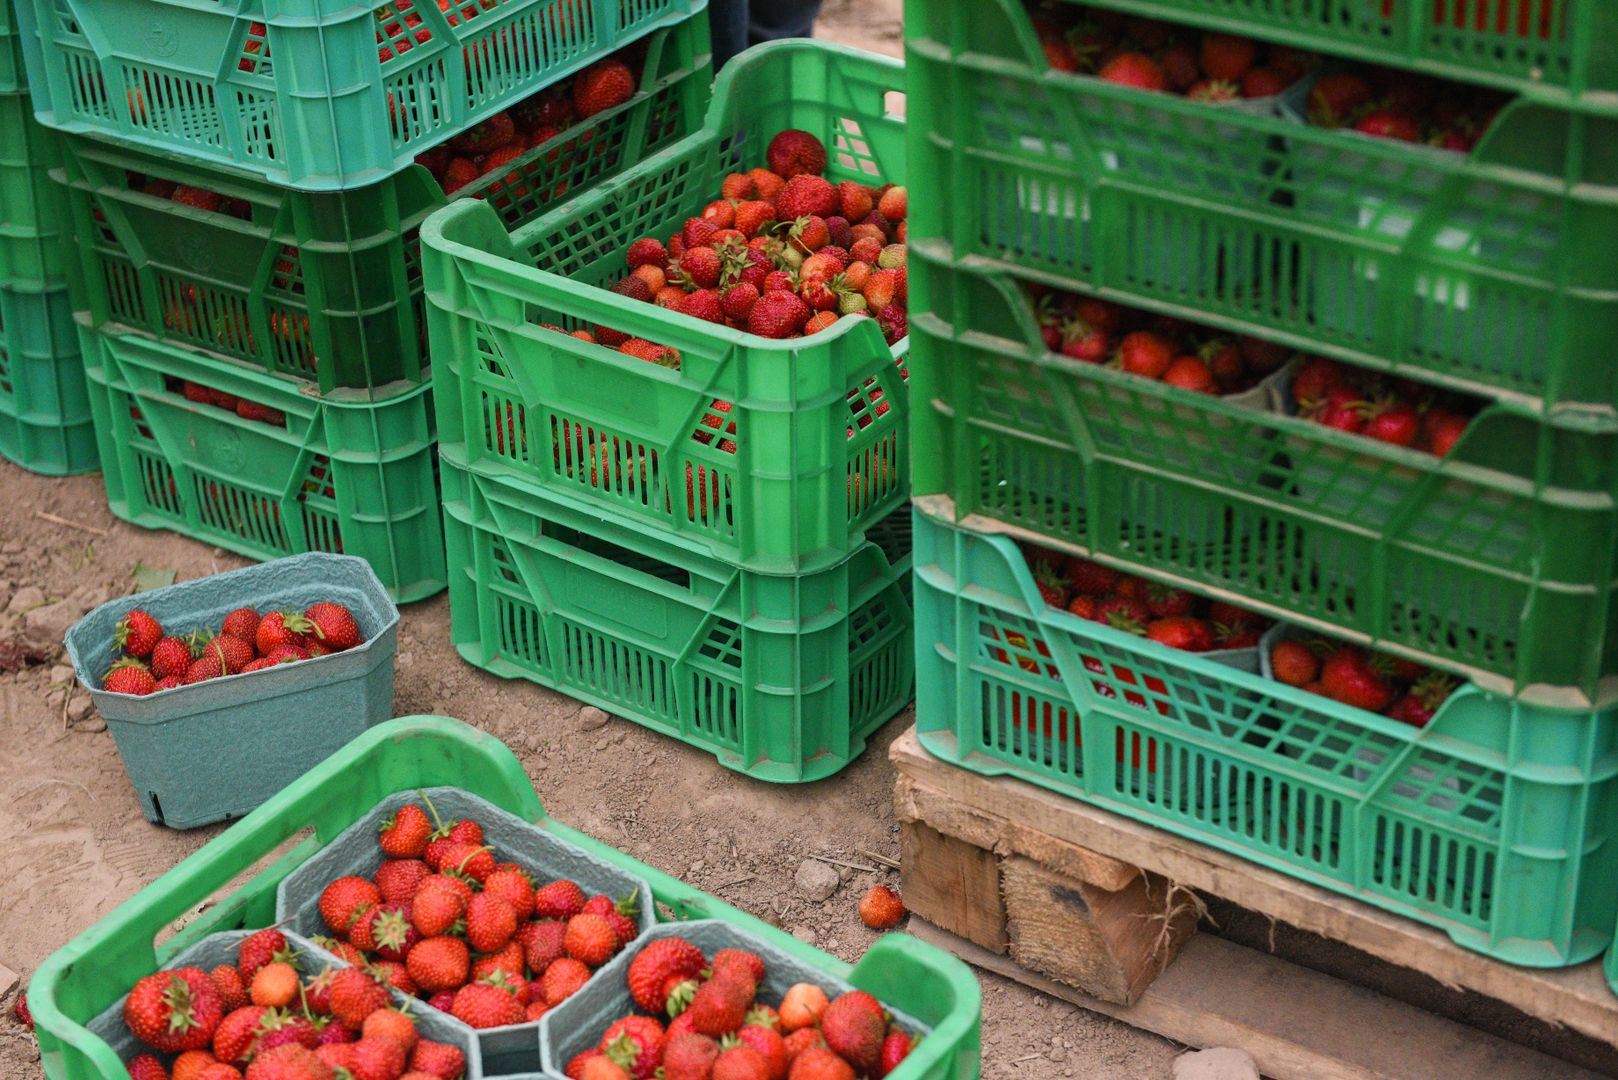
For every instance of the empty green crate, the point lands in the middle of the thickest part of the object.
(350, 472)
(1497, 561)
(314, 95)
(1555, 49)
(1495, 823)
(83, 979)
(326, 287)
(33, 247)
(45, 420)
(818, 450)
(13, 73)
(780, 677)
(1487, 272)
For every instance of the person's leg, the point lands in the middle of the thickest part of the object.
(774, 19)
(728, 23)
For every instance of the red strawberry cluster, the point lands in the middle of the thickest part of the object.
(782, 253)
(245, 408)
(442, 920)
(1397, 411)
(1162, 613)
(261, 1020)
(1401, 689)
(718, 1030)
(1152, 55)
(1391, 104)
(154, 659)
(1157, 347)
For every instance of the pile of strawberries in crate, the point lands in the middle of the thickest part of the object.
(263, 1020)
(782, 253)
(153, 658)
(719, 1030)
(1390, 104)
(442, 920)
(1151, 55)
(1401, 689)
(1391, 410)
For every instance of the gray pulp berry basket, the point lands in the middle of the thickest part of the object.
(578, 1023)
(222, 948)
(505, 1050)
(217, 749)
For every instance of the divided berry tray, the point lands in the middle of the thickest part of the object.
(45, 419)
(607, 998)
(325, 287)
(202, 753)
(502, 1050)
(1485, 272)
(783, 678)
(1490, 562)
(92, 973)
(816, 459)
(352, 472)
(315, 95)
(1495, 823)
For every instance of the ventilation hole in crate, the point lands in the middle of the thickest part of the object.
(418, 102)
(520, 634)
(1014, 643)
(849, 149)
(505, 426)
(723, 645)
(254, 56)
(1031, 728)
(157, 484)
(259, 119)
(87, 88)
(179, 109)
(878, 684)
(500, 559)
(291, 341)
(616, 671)
(892, 534)
(708, 498)
(1412, 861)
(716, 708)
(286, 273)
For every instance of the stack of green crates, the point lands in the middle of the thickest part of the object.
(718, 551)
(244, 191)
(45, 422)
(1478, 272)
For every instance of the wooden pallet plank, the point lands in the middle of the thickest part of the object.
(1575, 998)
(953, 883)
(1298, 1024)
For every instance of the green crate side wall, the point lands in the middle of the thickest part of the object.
(783, 678)
(410, 754)
(307, 104)
(46, 423)
(1488, 561)
(1492, 824)
(485, 325)
(339, 475)
(1575, 53)
(332, 290)
(32, 214)
(1477, 270)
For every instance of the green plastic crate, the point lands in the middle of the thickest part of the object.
(1556, 50)
(1497, 562)
(350, 472)
(782, 678)
(326, 287)
(45, 420)
(1489, 273)
(1494, 824)
(814, 465)
(313, 95)
(32, 215)
(81, 980)
(13, 72)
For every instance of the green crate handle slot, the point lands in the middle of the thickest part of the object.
(403, 754)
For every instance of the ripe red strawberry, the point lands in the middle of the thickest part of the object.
(603, 85)
(147, 1067)
(1181, 632)
(1090, 577)
(1442, 430)
(344, 900)
(340, 949)
(490, 922)
(792, 152)
(480, 1005)
(720, 1005)
(635, 1044)
(591, 939)
(853, 1032)
(1395, 423)
(439, 963)
(512, 886)
(1145, 353)
(173, 1011)
(232, 989)
(660, 965)
(467, 860)
(1336, 97)
(138, 633)
(1263, 82)
(280, 1028)
(699, 267)
(333, 626)
(542, 943)
(564, 978)
(1226, 56)
(749, 962)
(771, 1047)
(895, 1048)
(390, 931)
(1423, 700)
(741, 1062)
(129, 676)
(738, 301)
(242, 623)
(647, 251)
(1388, 124)
(704, 304)
(806, 195)
(1134, 69)
(289, 1062)
(170, 658)
(354, 996)
(818, 1063)
(1293, 663)
(777, 315)
(405, 834)
(237, 1034)
(689, 1056)
(280, 628)
(881, 908)
(258, 949)
(397, 879)
(232, 652)
(1348, 676)
(1165, 601)
(437, 1059)
(375, 1058)
(486, 137)
(1123, 613)
(317, 994)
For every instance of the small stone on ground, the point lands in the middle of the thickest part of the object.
(1219, 1063)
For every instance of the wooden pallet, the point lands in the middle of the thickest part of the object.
(1102, 911)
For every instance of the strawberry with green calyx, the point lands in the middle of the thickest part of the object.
(333, 625)
(1418, 706)
(281, 628)
(129, 676)
(137, 633)
(1349, 676)
(174, 1011)
(1054, 589)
